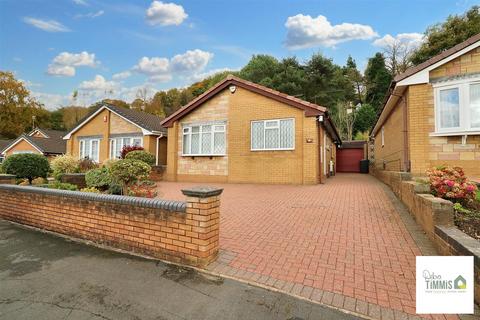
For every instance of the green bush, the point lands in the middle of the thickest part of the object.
(86, 164)
(1, 168)
(61, 186)
(100, 178)
(63, 164)
(115, 188)
(129, 171)
(27, 166)
(141, 155)
(91, 190)
(109, 163)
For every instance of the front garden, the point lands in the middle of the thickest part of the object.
(452, 184)
(126, 176)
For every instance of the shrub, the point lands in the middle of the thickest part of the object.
(108, 163)
(127, 149)
(141, 155)
(61, 186)
(115, 188)
(63, 164)
(129, 171)
(92, 190)
(86, 164)
(145, 189)
(100, 178)
(451, 183)
(1, 168)
(27, 166)
(40, 180)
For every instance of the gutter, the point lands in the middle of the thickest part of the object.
(156, 153)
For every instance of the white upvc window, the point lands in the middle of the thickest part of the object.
(457, 107)
(90, 148)
(117, 144)
(275, 134)
(204, 140)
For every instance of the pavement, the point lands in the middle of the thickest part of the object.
(46, 277)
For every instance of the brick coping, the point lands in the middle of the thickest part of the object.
(169, 205)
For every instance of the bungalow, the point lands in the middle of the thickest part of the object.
(3, 144)
(431, 116)
(103, 133)
(241, 132)
(40, 141)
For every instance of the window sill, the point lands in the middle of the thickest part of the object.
(203, 155)
(455, 133)
(268, 150)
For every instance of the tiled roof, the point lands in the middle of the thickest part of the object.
(45, 145)
(56, 134)
(4, 143)
(145, 120)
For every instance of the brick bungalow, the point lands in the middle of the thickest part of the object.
(431, 116)
(103, 133)
(241, 132)
(40, 141)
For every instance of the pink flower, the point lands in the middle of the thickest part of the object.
(450, 183)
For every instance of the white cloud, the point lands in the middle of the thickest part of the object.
(51, 101)
(64, 64)
(201, 76)
(98, 84)
(303, 31)
(152, 66)
(80, 2)
(46, 25)
(121, 75)
(91, 15)
(410, 40)
(191, 61)
(165, 14)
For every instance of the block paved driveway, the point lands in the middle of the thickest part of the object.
(343, 243)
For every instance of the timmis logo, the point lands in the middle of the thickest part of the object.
(435, 282)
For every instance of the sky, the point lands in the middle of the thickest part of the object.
(114, 48)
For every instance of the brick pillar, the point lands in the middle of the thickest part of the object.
(7, 179)
(203, 215)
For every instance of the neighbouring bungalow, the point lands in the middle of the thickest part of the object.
(40, 141)
(431, 116)
(241, 132)
(103, 133)
(3, 144)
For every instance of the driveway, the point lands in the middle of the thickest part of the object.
(348, 243)
(45, 277)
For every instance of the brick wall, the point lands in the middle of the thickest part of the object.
(183, 232)
(467, 63)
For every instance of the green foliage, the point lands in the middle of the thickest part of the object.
(477, 197)
(27, 166)
(108, 163)
(100, 178)
(442, 36)
(61, 186)
(2, 170)
(377, 78)
(141, 155)
(63, 164)
(115, 188)
(86, 164)
(361, 136)
(128, 171)
(90, 189)
(366, 116)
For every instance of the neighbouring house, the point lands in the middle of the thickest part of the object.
(349, 155)
(3, 143)
(241, 132)
(40, 141)
(431, 116)
(103, 133)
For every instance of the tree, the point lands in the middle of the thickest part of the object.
(378, 79)
(344, 119)
(72, 115)
(260, 69)
(27, 166)
(366, 117)
(398, 56)
(442, 36)
(17, 107)
(356, 78)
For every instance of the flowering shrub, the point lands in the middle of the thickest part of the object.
(100, 178)
(127, 149)
(63, 164)
(129, 171)
(91, 190)
(144, 156)
(451, 183)
(145, 189)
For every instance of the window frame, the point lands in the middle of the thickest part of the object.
(113, 142)
(383, 136)
(189, 127)
(90, 153)
(264, 121)
(465, 125)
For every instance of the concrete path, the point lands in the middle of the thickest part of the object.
(45, 277)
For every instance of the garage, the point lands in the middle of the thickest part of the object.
(349, 156)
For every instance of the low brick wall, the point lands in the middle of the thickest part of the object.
(183, 232)
(77, 179)
(7, 179)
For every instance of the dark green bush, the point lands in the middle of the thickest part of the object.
(141, 155)
(27, 166)
(60, 185)
(100, 178)
(128, 171)
(115, 188)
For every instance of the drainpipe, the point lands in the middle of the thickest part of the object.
(156, 153)
(406, 151)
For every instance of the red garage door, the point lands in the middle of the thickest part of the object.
(348, 160)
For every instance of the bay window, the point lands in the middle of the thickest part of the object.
(204, 139)
(277, 134)
(117, 144)
(457, 107)
(90, 148)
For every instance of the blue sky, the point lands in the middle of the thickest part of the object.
(113, 48)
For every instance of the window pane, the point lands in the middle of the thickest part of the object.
(271, 138)
(449, 108)
(126, 142)
(207, 128)
(207, 143)
(137, 142)
(94, 150)
(112, 147)
(219, 128)
(270, 124)
(186, 144)
(118, 144)
(219, 143)
(475, 105)
(196, 129)
(286, 134)
(257, 135)
(195, 141)
(88, 149)
(82, 149)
